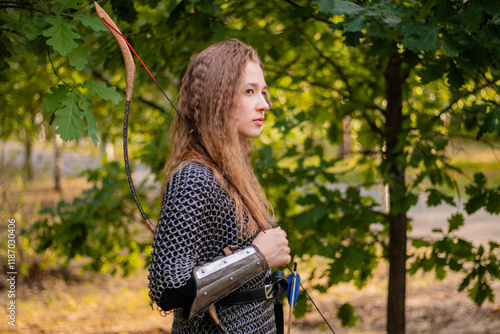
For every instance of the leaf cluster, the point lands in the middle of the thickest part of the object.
(97, 227)
(479, 265)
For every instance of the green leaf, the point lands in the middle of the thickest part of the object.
(455, 76)
(91, 125)
(480, 179)
(91, 21)
(6, 50)
(70, 121)
(346, 315)
(100, 88)
(62, 37)
(353, 194)
(475, 203)
(478, 195)
(209, 7)
(317, 213)
(125, 10)
(52, 100)
(449, 45)
(33, 26)
(69, 4)
(411, 200)
(436, 197)
(336, 271)
(357, 24)
(491, 122)
(78, 57)
(440, 272)
(418, 243)
(432, 72)
(414, 267)
(493, 205)
(346, 7)
(472, 15)
(421, 37)
(391, 20)
(481, 291)
(455, 222)
(354, 257)
(339, 7)
(369, 175)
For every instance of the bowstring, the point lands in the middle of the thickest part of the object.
(210, 157)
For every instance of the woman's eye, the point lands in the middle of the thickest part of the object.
(249, 91)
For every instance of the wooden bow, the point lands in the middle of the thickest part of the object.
(129, 80)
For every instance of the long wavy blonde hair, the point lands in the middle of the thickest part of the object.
(207, 101)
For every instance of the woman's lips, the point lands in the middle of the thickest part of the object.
(259, 121)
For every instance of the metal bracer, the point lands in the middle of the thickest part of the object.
(216, 279)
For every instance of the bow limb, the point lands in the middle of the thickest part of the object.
(127, 55)
(129, 80)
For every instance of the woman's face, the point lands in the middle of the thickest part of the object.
(251, 102)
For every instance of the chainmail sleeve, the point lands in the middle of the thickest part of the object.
(177, 238)
(197, 221)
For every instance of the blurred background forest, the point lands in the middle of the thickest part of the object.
(381, 156)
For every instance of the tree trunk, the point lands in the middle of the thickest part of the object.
(395, 178)
(57, 163)
(27, 159)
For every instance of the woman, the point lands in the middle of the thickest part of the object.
(210, 246)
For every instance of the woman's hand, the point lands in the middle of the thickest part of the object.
(273, 244)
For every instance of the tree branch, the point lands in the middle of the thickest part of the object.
(283, 69)
(474, 91)
(53, 68)
(2, 6)
(329, 60)
(21, 5)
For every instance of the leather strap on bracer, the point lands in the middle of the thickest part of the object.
(217, 279)
(274, 289)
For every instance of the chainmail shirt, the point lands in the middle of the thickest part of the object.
(197, 221)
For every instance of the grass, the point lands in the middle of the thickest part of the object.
(97, 304)
(105, 304)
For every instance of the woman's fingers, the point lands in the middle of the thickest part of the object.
(273, 244)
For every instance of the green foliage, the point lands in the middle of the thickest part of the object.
(481, 196)
(346, 315)
(93, 22)
(455, 221)
(480, 266)
(487, 117)
(486, 268)
(56, 28)
(97, 227)
(62, 37)
(70, 120)
(75, 114)
(435, 198)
